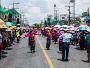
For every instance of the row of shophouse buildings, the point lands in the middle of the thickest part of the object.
(12, 15)
(83, 17)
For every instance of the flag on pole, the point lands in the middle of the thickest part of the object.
(72, 1)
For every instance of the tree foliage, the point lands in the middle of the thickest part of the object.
(38, 25)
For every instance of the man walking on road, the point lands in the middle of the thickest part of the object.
(65, 46)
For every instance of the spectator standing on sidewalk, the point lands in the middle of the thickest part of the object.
(65, 45)
(82, 41)
(88, 45)
(0, 43)
(18, 35)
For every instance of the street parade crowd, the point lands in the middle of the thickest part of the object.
(64, 38)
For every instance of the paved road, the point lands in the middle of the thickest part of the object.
(20, 57)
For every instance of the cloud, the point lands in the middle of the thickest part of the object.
(34, 10)
(37, 10)
(27, 15)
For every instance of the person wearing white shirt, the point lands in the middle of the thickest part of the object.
(65, 46)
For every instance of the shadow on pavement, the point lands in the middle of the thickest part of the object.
(9, 48)
(63, 60)
(28, 52)
(86, 61)
(4, 56)
(3, 52)
(78, 48)
(32, 52)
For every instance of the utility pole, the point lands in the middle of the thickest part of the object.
(73, 1)
(74, 9)
(14, 5)
(55, 13)
(58, 17)
(88, 12)
(69, 14)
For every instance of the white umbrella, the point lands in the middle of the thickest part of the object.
(58, 26)
(46, 27)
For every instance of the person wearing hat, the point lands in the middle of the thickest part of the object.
(65, 45)
(88, 45)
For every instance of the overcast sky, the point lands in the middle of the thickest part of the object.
(37, 10)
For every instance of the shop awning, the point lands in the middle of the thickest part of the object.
(2, 10)
(13, 12)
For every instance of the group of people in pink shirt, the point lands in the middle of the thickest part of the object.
(53, 33)
(49, 33)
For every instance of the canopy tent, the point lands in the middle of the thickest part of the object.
(10, 24)
(1, 22)
(2, 10)
(13, 12)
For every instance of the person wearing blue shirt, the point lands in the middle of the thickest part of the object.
(65, 46)
(88, 45)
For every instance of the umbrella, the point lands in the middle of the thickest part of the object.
(46, 27)
(2, 22)
(72, 29)
(10, 24)
(13, 27)
(83, 28)
(57, 26)
(3, 26)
